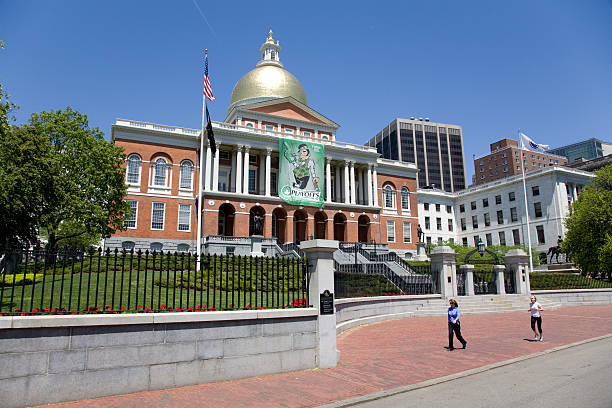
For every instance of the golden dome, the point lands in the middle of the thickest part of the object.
(269, 80)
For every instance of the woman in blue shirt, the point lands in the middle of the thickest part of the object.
(454, 325)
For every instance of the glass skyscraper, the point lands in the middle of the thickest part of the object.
(588, 149)
(435, 148)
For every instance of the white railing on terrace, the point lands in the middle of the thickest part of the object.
(344, 145)
(154, 126)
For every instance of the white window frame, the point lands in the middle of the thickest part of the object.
(228, 170)
(306, 134)
(127, 170)
(163, 215)
(186, 164)
(269, 129)
(388, 190)
(391, 238)
(407, 232)
(405, 199)
(134, 215)
(160, 162)
(178, 224)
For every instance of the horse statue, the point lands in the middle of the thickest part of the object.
(555, 251)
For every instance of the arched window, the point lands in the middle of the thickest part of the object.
(133, 169)
(156, 246)
(388, 194)
(249, 124)
(186, 174)
(160, 172)
(405, 198)
(182, 248)
(128, 245)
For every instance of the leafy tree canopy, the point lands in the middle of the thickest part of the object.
(88, 181)
(588, 241)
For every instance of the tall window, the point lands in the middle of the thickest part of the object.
(513, 214)
(157, 216)
(427, 223)
(497, 199)
(463, 227)
(535, 191)
(537, 208)
(500, 217)
(390, 231)
(405, 199)
(184, 217)
(516, 237)
(407, 232)
(489, 239)
(540, 233)
(485, 202)
(133, 169)
(186, 174)
(511, 196)
(252, 180)
(388, 193)
(502, 238)
(473, 205)
(487, 220)
(450, 224)
(274, 184)
(474, 221)
(160, 172)
(130, 221)
(439, 224)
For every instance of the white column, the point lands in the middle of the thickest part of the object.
(245, 179)
(360, 185)
(328, 180)
(268, 170)
(375, 188)
(574, 192)
(207, 169)
(338, 185)
(368, 190)
(238, 174)
(233, 171)
(261, 174)
(352, 180)
(346, 182)
(215, 186)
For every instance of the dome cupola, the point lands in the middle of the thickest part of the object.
(269, 80)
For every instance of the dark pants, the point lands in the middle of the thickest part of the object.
(456, 328)
(301, 182)
(537, 320)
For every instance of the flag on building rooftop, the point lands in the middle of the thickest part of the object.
(528, 144)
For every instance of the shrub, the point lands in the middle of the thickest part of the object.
(19, 279)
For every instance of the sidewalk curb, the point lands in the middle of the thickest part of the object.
(428, 383)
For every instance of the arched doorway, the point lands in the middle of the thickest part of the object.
(363, 228)
(320, 219)
(339, 227)
(226, 220)
(259, 212)
(279, 220)
(299, 226)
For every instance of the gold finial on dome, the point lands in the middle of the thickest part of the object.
(270, 39)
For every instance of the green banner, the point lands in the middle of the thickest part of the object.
(301, 178)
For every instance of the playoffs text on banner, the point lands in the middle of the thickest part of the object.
(301, 177)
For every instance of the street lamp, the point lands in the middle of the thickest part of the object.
(481, 247)
(373, 242)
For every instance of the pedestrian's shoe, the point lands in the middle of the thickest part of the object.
(464, 344)
(541, 338)
(451, 348)
(535, 338)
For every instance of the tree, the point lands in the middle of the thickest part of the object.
(87, 183)
(588, 241)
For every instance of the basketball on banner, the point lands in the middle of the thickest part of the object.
(301, 177)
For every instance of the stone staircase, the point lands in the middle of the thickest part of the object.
(482, 304)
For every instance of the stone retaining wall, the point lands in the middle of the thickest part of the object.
(353, 312)
(50, 359)
(577, 297)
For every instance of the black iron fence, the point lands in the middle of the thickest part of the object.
(550, 280)
(484, 283)
(71, 282)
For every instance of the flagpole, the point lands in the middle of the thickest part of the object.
(200, 172)
(526, 205)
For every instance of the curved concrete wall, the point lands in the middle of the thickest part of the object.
(353, 312)
(577, 297)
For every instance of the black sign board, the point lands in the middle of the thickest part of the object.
(327, 303)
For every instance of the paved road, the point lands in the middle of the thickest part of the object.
(575, 377)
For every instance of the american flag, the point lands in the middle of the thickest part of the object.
(207, 89)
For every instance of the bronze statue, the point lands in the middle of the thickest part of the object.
(554, 251)
(257, 224)
(420, 233)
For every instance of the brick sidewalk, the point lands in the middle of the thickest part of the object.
(384, 356)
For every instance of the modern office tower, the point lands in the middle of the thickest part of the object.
(587, 149)
(435, 148)
(504, 160)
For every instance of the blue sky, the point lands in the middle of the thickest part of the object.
(490, 66)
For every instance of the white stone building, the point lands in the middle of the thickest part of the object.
(495, 211)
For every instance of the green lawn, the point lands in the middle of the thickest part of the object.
(547, 280)
(154, 290)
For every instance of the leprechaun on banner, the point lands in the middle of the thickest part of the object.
(301, 172)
